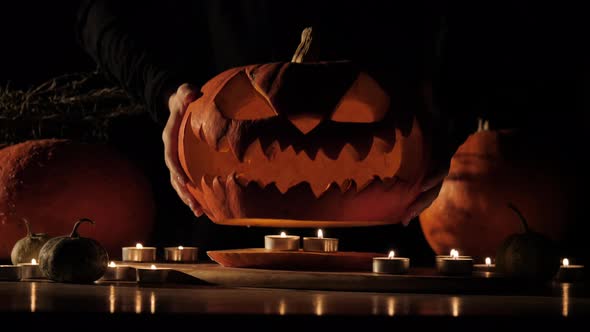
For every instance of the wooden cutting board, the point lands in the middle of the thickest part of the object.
(418, 280)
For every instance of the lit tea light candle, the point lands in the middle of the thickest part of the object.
(31, 270)
(116, 272)
(139, 253)
(281, 242)
(10, 273)
(454, 264)
(152, 275)
(391, 264)
(181, 254)
(320, 243)
(569, 272)
(486, 267)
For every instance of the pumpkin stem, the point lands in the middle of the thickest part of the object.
(523, 222)
(26, 222)
(304, 46)
(77, 224)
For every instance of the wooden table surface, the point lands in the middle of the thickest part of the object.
(40, 303)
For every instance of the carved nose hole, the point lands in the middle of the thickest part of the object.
(305, 122)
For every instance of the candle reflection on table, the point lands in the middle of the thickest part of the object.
(391, 306)
(455, 306)
(138, 302)
(565, 299)
(152, 302)
(319, 305)
(33, 296)
(112, 299)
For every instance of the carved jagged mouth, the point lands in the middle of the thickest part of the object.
(284, 167)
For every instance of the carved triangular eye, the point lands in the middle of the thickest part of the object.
(364, 102)
(240, 99)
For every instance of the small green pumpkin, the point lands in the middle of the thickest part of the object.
(528, 255)
(73, 258)
(28, 247)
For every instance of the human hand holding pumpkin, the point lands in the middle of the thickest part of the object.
(177, 104)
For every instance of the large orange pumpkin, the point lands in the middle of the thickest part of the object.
(52, 182)
(490, 170)
(301, 145)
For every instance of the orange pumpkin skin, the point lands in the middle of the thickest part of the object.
(52, 182)
(310, 142)
(487, 172)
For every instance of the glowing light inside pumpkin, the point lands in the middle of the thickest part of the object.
(112, 264)
(180, 247)
(565, 262)
(488, 261)
(139, 246)
(454, 254)
(283, 234)
(320, 234)
(391, 254)
(34, 261)
(152, 267)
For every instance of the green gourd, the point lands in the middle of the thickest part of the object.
(73, 259)
(27, 248)
(527, 255)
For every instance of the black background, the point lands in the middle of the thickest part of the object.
(518, 63)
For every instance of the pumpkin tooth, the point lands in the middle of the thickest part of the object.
(332, 149)
(348, 153)
(272, 150)
(219, 188)
(241, 179)
(385, 140)
(233, 196)
(282, 187)
(363, 183)
(345, 185)
(363, 145)
(223, 145)
(318, 188)
(254, 152)
(206, 180)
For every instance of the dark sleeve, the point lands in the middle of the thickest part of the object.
(126, 39)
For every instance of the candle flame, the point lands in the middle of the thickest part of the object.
(488, 261)
(566, 262)
(391, 254)
(283, 234)
(320, 234)
(139, 246)
(34, 261)
(112, 264)
(180, 247)
(454, 254)
(152, 267)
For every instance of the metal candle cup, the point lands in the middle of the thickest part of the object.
(570, 273)
(320, 243)
(181, 254)
(152, 275)
(139, 253)
(119, 273)
(391, 264)
(10, 273)
(31, 270)
(281, 242)
(486, 267)
(454, 265)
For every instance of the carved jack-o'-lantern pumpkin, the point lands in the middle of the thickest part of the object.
(309, 144)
